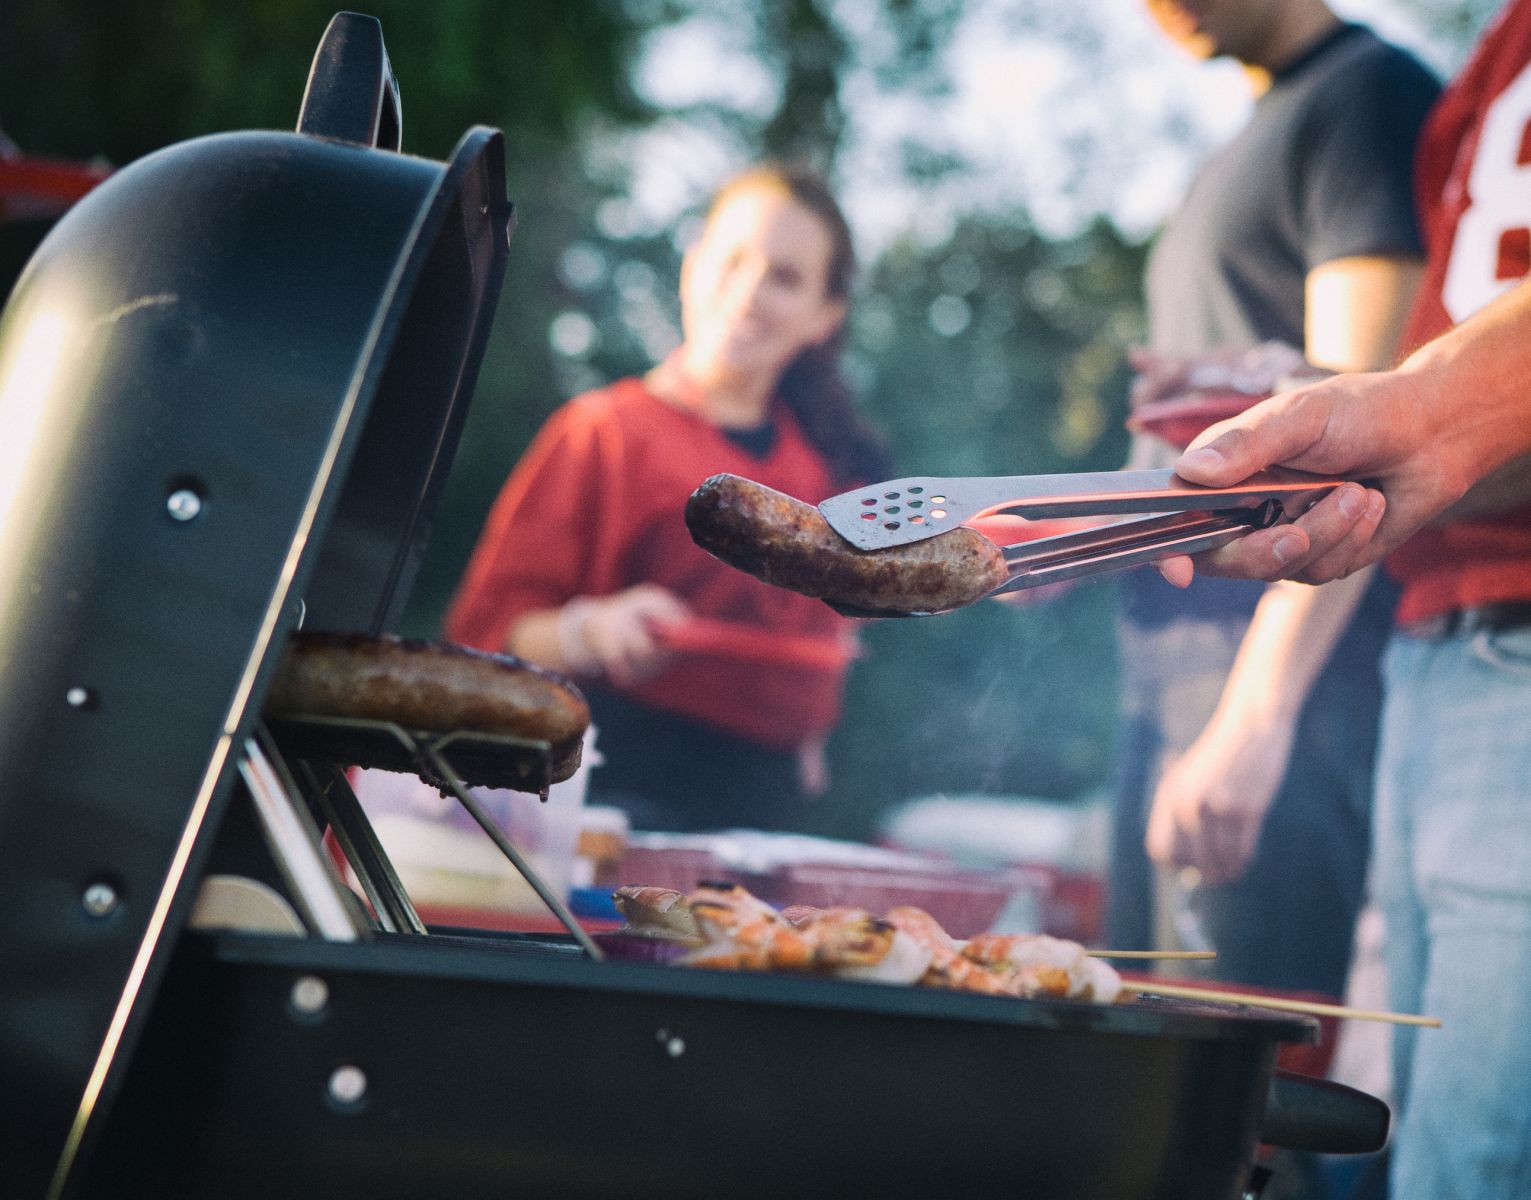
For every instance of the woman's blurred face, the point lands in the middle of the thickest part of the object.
(753, 288)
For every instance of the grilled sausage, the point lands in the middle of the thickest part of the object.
(789, 544)
(429, 687)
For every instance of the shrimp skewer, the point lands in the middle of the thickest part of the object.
(737, 931)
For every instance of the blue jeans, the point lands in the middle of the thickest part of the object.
(1453, 861)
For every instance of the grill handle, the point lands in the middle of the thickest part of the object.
(352, 95)
(1302, 1113)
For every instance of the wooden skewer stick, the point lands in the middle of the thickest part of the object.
(1280, 1004)
(1175, 954)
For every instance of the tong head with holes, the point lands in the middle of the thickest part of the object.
(1194, 518)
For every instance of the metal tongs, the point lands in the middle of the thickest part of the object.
(902, 511)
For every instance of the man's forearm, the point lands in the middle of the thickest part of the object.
(1475, 381)
(1508, 487)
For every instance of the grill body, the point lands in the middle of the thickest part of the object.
(496, 1066)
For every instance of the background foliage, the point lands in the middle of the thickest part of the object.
(990, 348)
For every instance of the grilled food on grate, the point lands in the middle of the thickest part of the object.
(428, 687)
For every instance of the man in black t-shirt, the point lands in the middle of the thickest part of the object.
(1301, 230)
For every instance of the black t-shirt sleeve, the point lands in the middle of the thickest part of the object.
(1358, 160)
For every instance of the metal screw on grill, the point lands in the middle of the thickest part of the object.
(309, 996)
(184, 504)
(673, 1046)
(100, 899)
(348, 1084)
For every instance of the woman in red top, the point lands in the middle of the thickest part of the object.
(713, 693)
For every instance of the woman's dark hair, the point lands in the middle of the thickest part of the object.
(814, 386)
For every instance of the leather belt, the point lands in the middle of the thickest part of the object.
(1461, 621)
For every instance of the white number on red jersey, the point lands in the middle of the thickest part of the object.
(1491, 251)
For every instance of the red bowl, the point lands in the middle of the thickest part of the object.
(1180, 419)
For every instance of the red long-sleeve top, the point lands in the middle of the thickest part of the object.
(595, 506)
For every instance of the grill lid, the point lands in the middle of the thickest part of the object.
(231, 381)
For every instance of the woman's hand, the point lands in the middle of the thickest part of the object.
(1211, 802)
(617, 636)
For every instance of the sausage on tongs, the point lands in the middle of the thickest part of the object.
(789, 544)
(867, 565)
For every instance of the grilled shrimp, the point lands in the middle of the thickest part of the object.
(850, 943)
(754, 946)
(655, 910)
(743, 933)
(1038, 965)
(1032, 964)
(947, 969)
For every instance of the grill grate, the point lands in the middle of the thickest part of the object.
(325, 746)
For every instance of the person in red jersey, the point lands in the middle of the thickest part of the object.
(1441, 445)
(586, 566)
